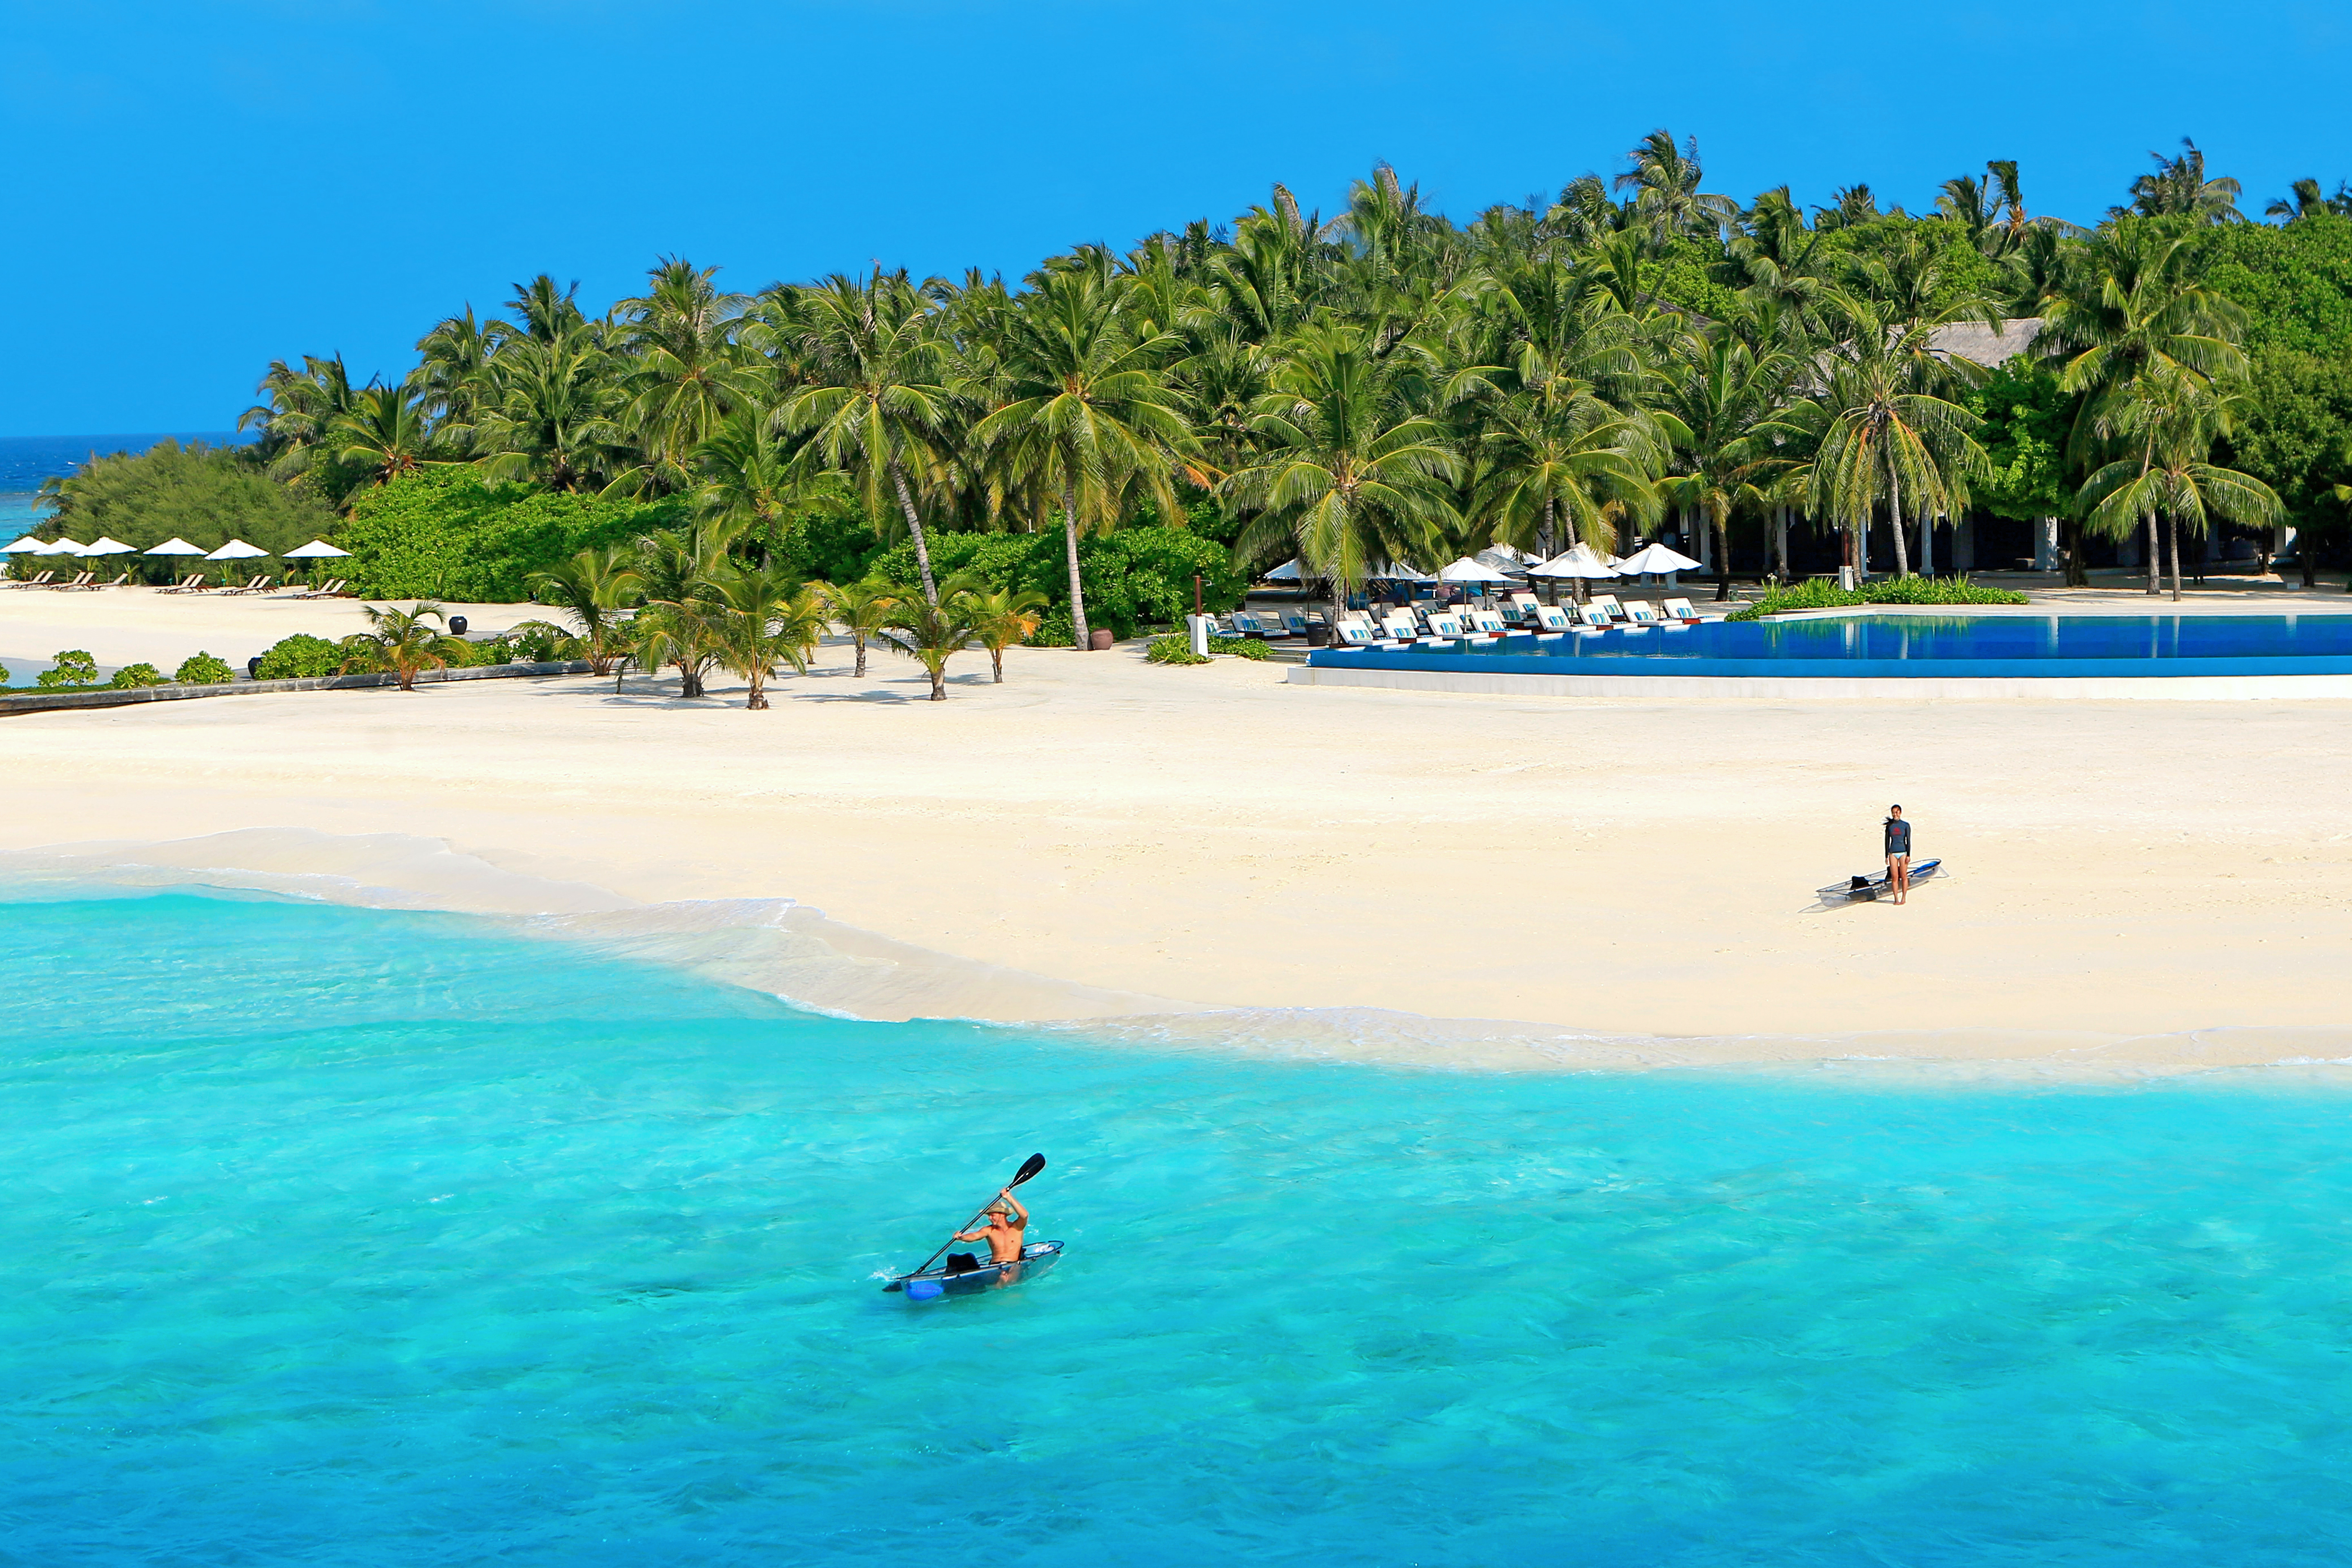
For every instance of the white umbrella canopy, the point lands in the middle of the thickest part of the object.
(103, 545)
(1578, 563)
(1397, 572)
(62, 547)
(237, 550)
(1657, 559)
(320, 550)
(1287, 573)
(1469, 571)
(175, 546)
(27, 545)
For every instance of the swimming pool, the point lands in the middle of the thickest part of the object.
(1907, 646)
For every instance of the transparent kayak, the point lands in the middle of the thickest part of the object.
(932, 1283)
(1869, 888)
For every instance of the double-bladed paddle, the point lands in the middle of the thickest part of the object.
(1029, 1167)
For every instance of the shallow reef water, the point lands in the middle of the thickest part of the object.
(355, 1236)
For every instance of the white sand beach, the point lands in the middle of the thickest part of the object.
(1102, 837)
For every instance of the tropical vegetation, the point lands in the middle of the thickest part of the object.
(1120, 434)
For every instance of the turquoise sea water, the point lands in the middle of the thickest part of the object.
(340, 1237)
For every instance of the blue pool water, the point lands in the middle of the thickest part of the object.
(350, 1237)
(1914, 646)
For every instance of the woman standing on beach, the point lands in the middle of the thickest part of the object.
(1899, 853)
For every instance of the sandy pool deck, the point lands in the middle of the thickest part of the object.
(1140, 836)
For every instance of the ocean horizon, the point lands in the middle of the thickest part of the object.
(26, 461)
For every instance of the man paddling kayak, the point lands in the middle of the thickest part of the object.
(1006, 1220)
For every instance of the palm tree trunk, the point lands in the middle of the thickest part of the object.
(1926, 542)
(2154, 561)
(940, 681)
(859, 639)
(915, 529)
(1078, 593)
(2172, 553)
(759, 698)
(1722, 556)
(1894, 526)
(996, 658)
(1544, 543)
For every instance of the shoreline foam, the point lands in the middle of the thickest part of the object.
(796, 954)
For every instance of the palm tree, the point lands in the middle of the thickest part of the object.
(1878, 432)
(881, 401)
(2135, 307)
(1664, 181)
(748, 476)
(592, 588)
(861, 609)
(687, 636)
(766, 618)
(1352, 477)
(1552, 468)
(385, 433)
(681, 571)
(686, 375)
(931, 634)
(2174, 419)
(2178, 188)
(1001, 618)
(1724, 399)
(1085, 410)
(402, 641)
(454, 371)
(552, 421)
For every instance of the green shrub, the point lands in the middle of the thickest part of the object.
(201, 668)
(1241, 647)
(131, 675)
(1821, 594)
(1133, 578)
(73, 670)
(299, 658)
(544, 642)
(445, 534)
(204, 494)
(1173, 648)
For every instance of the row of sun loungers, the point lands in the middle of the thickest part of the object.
(85, 583)
(1520, 615)
(194, 582)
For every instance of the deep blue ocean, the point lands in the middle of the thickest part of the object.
(26, 460)
(339, 1236)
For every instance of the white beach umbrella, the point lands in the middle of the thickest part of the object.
(1468, 571)
(1398, 572)
(317, 550)
(62, 547)
(1287, 573)
(103, 545)
(175, 546)
(1578, 563)
(1657, 559)
(237, 550)
(27, 545)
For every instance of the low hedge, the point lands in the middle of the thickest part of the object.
(1821, 594)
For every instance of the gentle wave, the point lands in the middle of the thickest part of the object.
(793, 951)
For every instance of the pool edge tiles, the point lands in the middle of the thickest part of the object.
(1901, 689)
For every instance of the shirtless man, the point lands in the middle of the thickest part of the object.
(1006, 1220)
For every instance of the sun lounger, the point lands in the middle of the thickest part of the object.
(117, 583)
(42, 580)
(1554, 619)
(260, 584)
(1595, 618)
(329, 591)
(1680, 610)
(1608, 606)
(1443, 628)
(81, 582)
(194, 582)
(1488, 621)
(1642, 614)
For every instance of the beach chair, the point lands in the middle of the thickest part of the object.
(117, 583)
(1594, 618)
(1293, 623)
(80, 582)
(40, 581)
(1488, 621)
(1680, 610)
(1401, 627)
(1359, 634)
(257, 586)
(1608, 606)
(192, 583)
(1554, 619)
(1642, 614)
(328, 592)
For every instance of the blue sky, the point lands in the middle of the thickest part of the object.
(198, 187)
